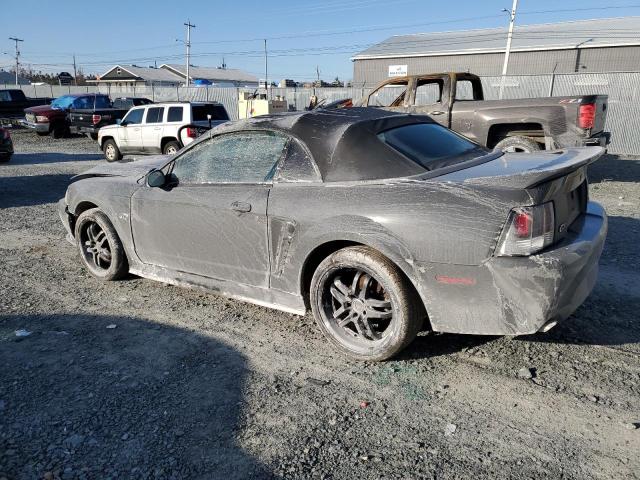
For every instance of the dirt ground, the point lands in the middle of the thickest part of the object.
(135, 379)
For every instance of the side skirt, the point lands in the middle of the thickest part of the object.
(265, 297)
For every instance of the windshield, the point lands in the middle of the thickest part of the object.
(63, 102)
(431, 145)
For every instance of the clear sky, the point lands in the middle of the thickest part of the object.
(302, 34)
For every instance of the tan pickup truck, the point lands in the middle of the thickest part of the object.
(456, 100)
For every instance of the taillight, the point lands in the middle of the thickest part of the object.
(191, 133)
(95, 119)
(528, 230)
(586, 115)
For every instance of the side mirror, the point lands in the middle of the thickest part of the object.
(118, 121)
(156, 178)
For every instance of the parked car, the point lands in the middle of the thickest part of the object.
(456, 100)
(129, 102)
(89, 114)
(153, 129)
(376, 221)
(13, 102)
(6, 145)
(54, 118)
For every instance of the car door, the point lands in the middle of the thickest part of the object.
(130, 133)
(211, 220)
(152, 129)
(430, 97)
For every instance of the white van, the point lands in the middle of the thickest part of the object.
(155, 128)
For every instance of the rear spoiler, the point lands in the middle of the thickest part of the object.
(517, 170)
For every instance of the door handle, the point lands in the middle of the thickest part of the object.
(437, 112)
(242, 207)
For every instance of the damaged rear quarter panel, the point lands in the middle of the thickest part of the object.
(414, 224)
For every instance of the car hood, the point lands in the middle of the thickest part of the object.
(39, 109)
(136, 168)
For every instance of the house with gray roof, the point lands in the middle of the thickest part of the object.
(218, 77)
(601, 45)
(133, 75)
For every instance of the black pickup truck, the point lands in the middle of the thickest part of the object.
(13, 102)
(97, 111)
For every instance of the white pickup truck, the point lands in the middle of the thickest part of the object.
(159, 128)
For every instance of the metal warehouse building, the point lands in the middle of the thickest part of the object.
(604, 45)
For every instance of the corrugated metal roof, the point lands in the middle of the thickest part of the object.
(548, 36)
(209, 73)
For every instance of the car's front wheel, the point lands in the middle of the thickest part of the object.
(111, 151)
(100, 247)
(363, 304)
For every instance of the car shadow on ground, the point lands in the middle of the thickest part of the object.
(44, 158)
(119, 397)
(32, 190)
(431, 344)
(612, 168)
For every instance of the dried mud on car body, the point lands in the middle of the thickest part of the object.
(191, 385)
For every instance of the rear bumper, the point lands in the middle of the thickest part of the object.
(601, 139)
(81, 129)
(520, 295)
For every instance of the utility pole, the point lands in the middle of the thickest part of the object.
(17, 55)
(318, 74)
(266, 68)
(512, 20)
(188, 44)
(75, 72)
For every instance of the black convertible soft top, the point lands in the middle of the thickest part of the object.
(343, 142)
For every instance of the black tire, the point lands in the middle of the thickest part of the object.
(171, 148)
(92, 136)
(111, 151)
(60, 130)
(5, 158)
(518, 145)
(380, 314)
(99, 246)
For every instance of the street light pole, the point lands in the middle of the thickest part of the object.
(188, 44)
(17, 55)
(505, 66)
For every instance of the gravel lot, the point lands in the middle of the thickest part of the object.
(135, 379)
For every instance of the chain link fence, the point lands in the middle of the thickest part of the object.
(623, 89)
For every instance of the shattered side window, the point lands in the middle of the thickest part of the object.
(247, 157)
(429, 92)
(298, 166)
(389, 95)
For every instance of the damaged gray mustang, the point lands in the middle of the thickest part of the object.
(376, 221)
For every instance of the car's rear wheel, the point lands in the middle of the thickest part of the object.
(171, 148)
(518, 145)
(100, 247)
(363, 304)
(111, 151)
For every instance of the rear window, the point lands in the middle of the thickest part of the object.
(431, 145)
(175, 114)
(217, 112)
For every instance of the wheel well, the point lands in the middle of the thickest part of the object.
(80, 208)
(166, 140)
(103, 141)
(499, 132)
(323, 251)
